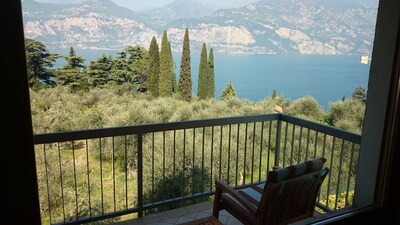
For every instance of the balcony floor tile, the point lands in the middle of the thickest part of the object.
(182, 215)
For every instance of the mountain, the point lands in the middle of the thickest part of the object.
(262, 27)
(178, 9)
(237, 4)
(287, 27)
(160, 17)
(61, 1)
(95, 24)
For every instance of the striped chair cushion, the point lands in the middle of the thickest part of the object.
(295, 170)
(252, 194)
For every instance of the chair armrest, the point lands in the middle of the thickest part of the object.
(222, 187)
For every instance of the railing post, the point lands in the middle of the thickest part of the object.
(278, 141)
(140, 174)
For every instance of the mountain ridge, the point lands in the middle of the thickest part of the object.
(262, 27)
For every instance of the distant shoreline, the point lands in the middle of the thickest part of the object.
(328, 78)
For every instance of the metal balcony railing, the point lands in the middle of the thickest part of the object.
(91, 175)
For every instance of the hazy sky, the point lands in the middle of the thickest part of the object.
(137, 5)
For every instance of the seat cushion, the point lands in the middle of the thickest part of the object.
(252, 194)
(295, 170)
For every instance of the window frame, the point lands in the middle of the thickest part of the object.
(19, 184)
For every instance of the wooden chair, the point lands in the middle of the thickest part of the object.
(288, 195)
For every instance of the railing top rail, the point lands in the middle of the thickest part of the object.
(157, 127)
(148, 128)
(333, 131)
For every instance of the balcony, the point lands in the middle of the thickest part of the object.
(127, 172)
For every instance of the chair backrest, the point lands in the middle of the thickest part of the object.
(290, 193)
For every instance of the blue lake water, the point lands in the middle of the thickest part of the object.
(254, 77)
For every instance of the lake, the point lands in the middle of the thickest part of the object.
(254, 77)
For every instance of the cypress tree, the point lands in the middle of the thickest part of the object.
(174, 86)
(154, 67)
(210, 75)
(202, 81)
(274, 94)
(185, 77)
(165, 81)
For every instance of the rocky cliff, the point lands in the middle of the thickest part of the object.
(264, 27)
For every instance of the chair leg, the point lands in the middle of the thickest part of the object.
(217, 202)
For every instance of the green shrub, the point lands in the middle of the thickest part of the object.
(348, 114)
(306, 107)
